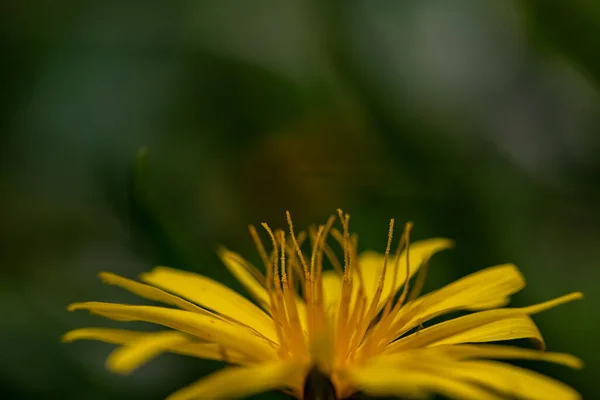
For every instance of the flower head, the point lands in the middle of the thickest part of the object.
(357, 326)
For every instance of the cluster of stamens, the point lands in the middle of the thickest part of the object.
(360, 327)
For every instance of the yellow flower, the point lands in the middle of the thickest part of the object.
(355, 327)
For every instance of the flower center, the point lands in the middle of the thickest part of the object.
(318, 386)
(304, 324)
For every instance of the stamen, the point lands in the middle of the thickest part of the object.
(321, 245)
(301, 238)
(265, 258)
(259, 245)
(338, 236)
(342, 331)
(374, 307)
(292, 258)
(335, 263)
(381, 331)
(407, 229)
(404, 239)
(349, 243)
(344, 241)
(359, 332)
(275, 273)
(312, 284)
(359, 272)
(296, 245)
(401, 245)
(387, 252)
(295, 267)
(320, 240)
(281, 236)
(278, 311)
(315, 250)
(296, 339)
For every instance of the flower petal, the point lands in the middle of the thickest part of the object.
(235, 264)
(191, 347)
(107, 335)
(459, 352)
(126, 359)
(483, 326)
(510, 380)
(332, 289)
(212, 295)
(207, 328)
(486, 288)
(465, 351)
(412, 383)
(149, 292)
(500, 378)
(546, 305)
(371, 265)
(236, 382)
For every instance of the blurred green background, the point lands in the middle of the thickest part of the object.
(479, 120)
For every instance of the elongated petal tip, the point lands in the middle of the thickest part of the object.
(118, 364)
(517, 272)
(107, 277)
(575, 362)
(116, 369)
(221, 250)
(69, 337)
(76, 334)
(74, 306)
(224, 254)
(578, 295)
(435, 244)
(158, 269)
(536, 308)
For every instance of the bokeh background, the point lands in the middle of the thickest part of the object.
(143, 133)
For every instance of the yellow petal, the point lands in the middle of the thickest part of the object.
(536, 308)
(236, 382)
(413, 384)
(126, 359)
(134, 354)
(483, 326)
(213, 295)
(207, 328)
(332, 289)
(371, 266)
(486, 288)
(322, 347)
(510, 380)
(107, 335)
(465, 351)
(302, 315)
(192, 347)
(235, 264)
(148, 292)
